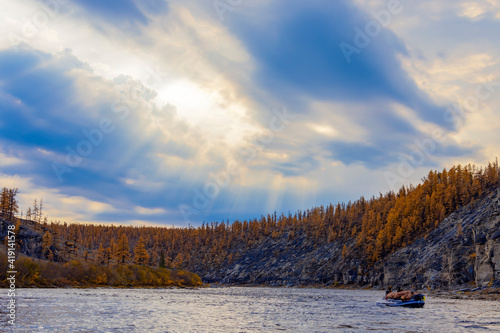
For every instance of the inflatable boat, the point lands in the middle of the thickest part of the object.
(416, 301)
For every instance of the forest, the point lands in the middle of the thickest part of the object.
(370, 229)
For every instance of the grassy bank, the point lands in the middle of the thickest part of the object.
(45, 274)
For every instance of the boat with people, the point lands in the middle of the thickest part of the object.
(405, 298)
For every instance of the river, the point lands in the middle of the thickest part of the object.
(238, 309)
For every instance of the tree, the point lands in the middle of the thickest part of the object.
(13, 206)
(344, 251)
(460, 230)
(8, 203)
(35, 210)
(162, 259)
(69, 249)
(101, 255)
(177, 263)
(112, 248)
(141, 256)
(47, 241)
(40, 207)
(108, 255)
(122, 251)
(4, 201)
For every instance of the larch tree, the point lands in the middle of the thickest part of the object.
(141, 256)
(178, 261)
(344, 251)
(8, 203)
(101, 255)
(35, 210)
(112, 248)
(122, 249)
(4, 201)
(108, 255)
(40, 207)
(47, 241)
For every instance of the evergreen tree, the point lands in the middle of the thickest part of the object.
(162, 259)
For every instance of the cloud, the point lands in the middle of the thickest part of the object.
(367, 154)
(298, 54)
(52, 132)
(8, 160)
(124, 14)
(185, 92)
(31, 86)
(149, 211)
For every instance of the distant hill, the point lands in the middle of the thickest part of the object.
(441, 232)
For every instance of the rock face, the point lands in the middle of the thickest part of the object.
(27, 239)
(465, 248)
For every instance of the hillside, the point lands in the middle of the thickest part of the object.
(464, 248)
(412, 237)
(78, 270)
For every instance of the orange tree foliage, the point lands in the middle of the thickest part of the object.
(42, 273)
(370, 229)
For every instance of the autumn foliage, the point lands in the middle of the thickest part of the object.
(369, 229)
(42, 273)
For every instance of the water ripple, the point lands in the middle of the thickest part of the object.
(239, 309)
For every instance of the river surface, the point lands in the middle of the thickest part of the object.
(238, 309)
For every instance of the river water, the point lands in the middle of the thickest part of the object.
(238, 309)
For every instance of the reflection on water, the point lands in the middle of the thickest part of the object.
(239, 309)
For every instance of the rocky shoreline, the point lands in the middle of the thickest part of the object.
(486, 294)
(479, 293)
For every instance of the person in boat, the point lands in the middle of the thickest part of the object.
(388, 291)
(399, 294)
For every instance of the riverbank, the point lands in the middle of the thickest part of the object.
(486, 293)
(39, 273)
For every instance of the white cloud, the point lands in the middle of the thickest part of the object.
(199, 109)
(478, 9)
(7, 160)
(56, 205)
(149, 211)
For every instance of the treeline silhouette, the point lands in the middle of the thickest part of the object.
(370, 229)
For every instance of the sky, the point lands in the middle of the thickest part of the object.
(170, 112)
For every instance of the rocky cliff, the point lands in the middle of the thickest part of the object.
(464, 249)
(28, 237)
